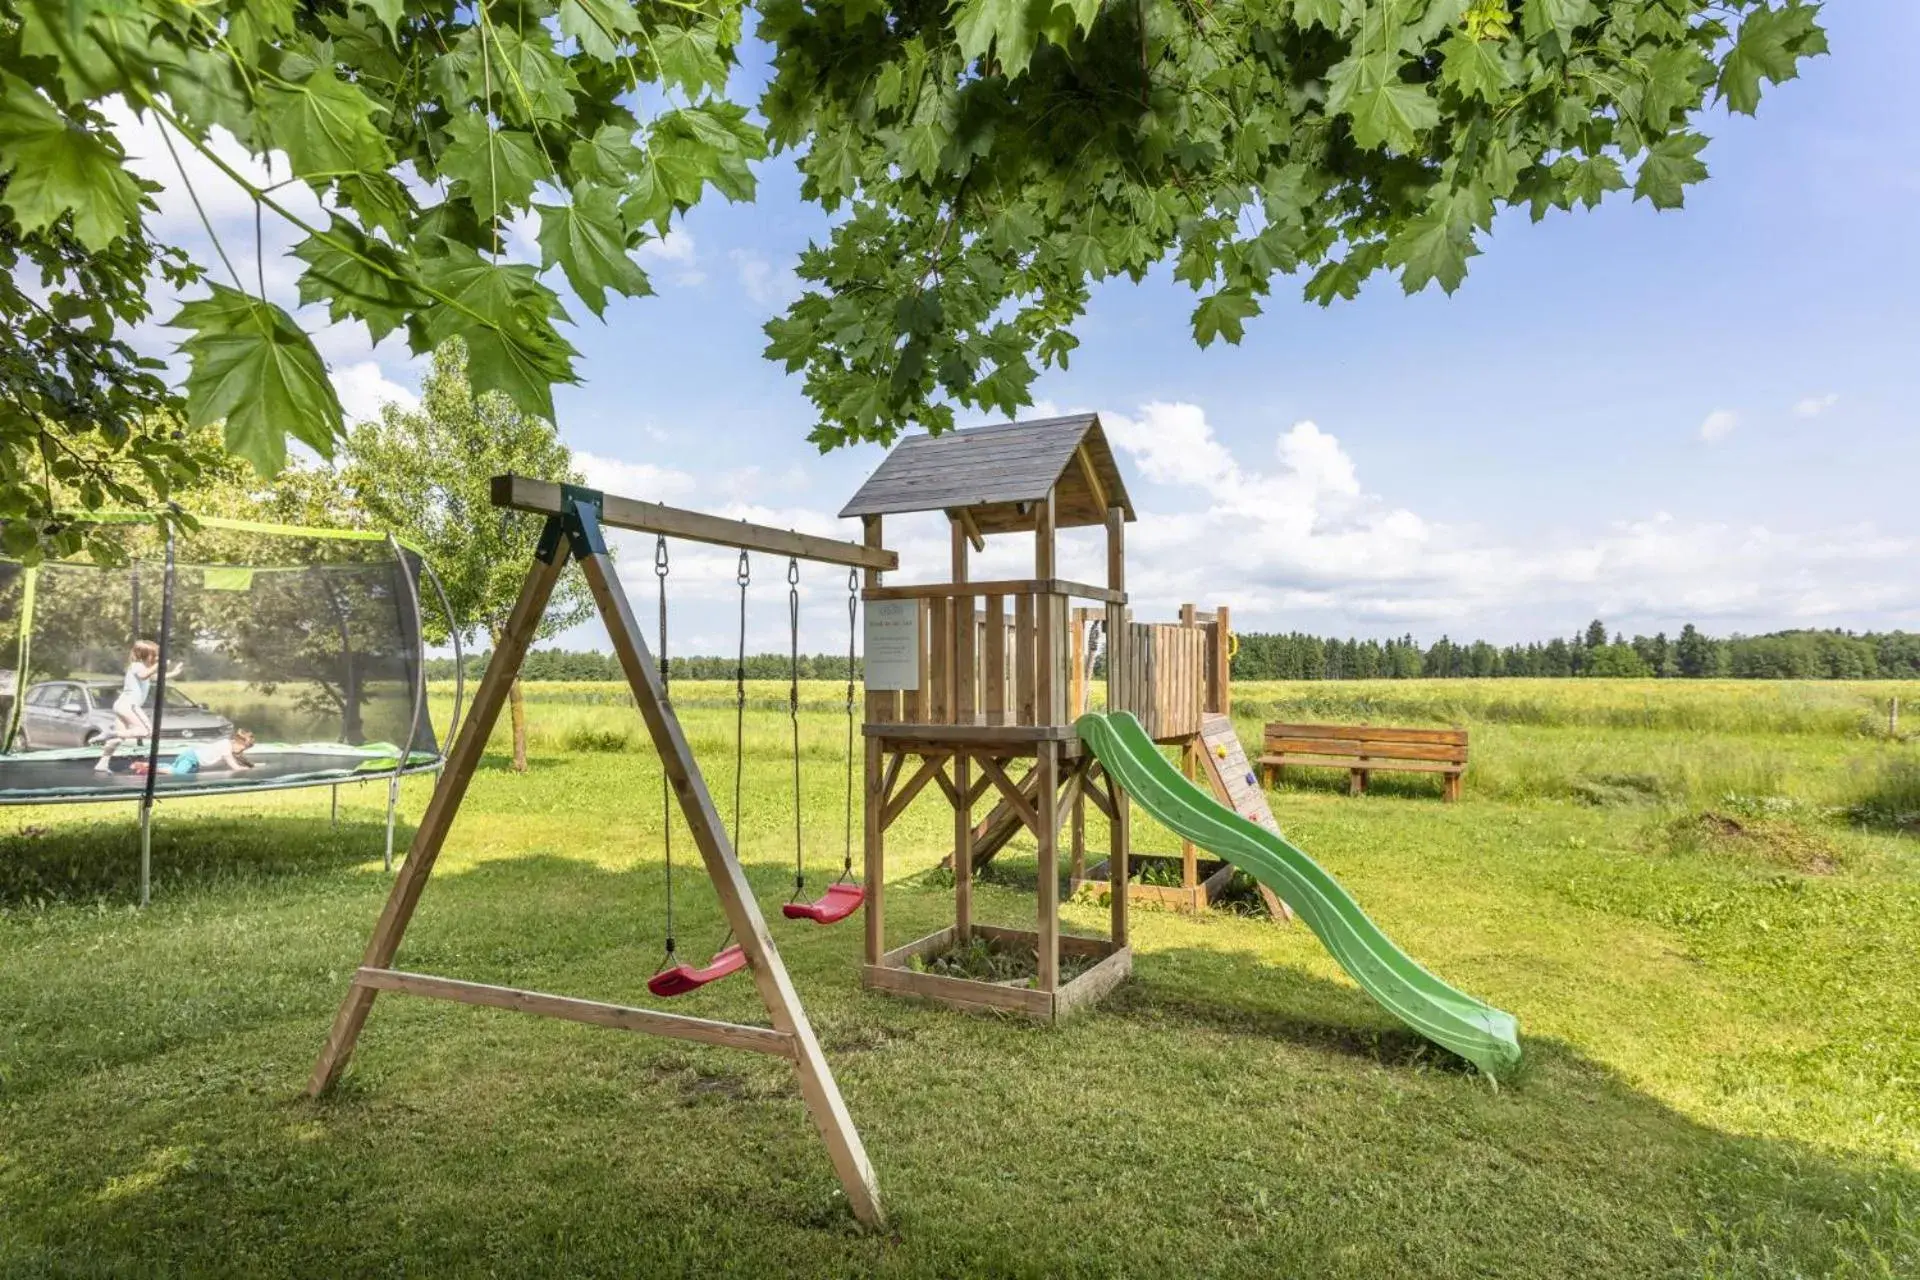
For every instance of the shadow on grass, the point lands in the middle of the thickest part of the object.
(79, 862)
(1381, 784)
(472, 1142)
(1234, 994)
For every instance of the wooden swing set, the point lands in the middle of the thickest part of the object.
(575, 519)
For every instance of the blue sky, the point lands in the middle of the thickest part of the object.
(1702, 416)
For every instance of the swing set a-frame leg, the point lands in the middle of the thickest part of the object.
(464, 757)
(791, 1034)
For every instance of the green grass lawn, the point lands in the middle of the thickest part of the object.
(1701, 901)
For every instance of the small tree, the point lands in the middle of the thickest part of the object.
(424, 473)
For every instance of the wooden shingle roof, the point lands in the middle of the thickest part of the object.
(991, 472)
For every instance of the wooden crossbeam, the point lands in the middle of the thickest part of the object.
(731, 1035)
(1011, 794)
(930, 768)
(574, 530)
(546, 498)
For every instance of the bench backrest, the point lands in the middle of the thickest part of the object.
(1373, 742)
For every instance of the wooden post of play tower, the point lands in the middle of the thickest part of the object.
(574, 530)
(993, 688)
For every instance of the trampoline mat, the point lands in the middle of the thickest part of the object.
(43, 777)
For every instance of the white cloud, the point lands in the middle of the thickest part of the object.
(364, 389)
(1814, 406)
(675, 252)
(641, 480)
(1718, 425)
(1302, 543)
(767, 285)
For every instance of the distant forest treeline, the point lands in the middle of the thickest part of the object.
(561, 664)
(1781, 655)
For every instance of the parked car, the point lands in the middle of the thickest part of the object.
(79, 713)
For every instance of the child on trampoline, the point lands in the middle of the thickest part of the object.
(220, 754)
(130, 718)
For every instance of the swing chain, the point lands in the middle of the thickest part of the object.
(853, 610)
(793, 715)
(742, 575)
(666, 791)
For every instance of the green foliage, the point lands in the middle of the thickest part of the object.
(995, 158)
(426, 475)
(986, 162)
(475, 105)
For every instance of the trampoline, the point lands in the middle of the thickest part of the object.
(313, 641)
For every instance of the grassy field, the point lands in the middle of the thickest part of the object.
(1701, 900)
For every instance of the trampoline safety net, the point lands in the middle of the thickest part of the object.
(309, 640)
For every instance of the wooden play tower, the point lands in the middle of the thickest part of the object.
(968, 682)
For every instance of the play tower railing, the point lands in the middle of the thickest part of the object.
(999, 653)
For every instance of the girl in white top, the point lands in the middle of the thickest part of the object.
(130, 718)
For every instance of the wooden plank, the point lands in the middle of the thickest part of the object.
(961, 619)
(1025, 706)
(963, 848)
(995, 586)
(1119, 646)
(964, 519)
(970, 735)
(1071, 944)
(896, 804)
(737, 901)
(1366, 733)
(1093, 984)
(1047, 774)
(1021, 802)
(1276, 761)
(962, 992)
(1220, 689)
(892, 775)
(523, 494)
(1344, 747)
(883, 705)
(940, 662)
(1095, 486)
(994, 664)
(463, 758)
(674, 1026)
(874, 847)
(923, 698)
(881, 708)
(1047, 619)
(1076, 664)
(932, 944)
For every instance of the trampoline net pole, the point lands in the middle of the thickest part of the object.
(146, 849)
(393, 799)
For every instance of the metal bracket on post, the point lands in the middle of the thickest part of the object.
(584, 535)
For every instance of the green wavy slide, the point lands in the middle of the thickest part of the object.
(1478, 1032)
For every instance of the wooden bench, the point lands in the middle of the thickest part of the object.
(1363, 748)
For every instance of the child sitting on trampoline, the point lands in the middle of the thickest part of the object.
(219, 754)
(130, 718)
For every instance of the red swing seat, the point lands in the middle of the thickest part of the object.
(839, 902)
(683, 977)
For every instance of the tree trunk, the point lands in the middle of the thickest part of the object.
(517, 707)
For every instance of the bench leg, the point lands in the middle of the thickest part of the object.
(1357, 782)
(1453, 787)
(1269, 776)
